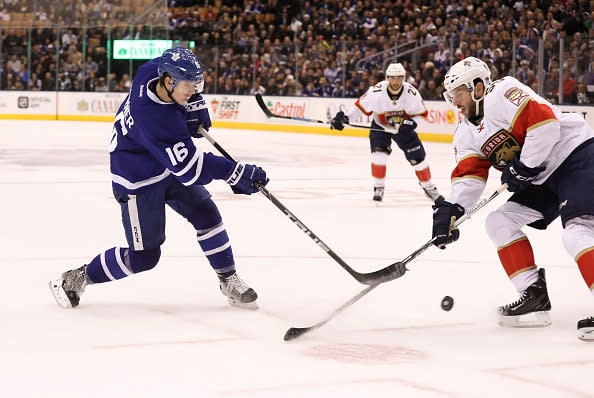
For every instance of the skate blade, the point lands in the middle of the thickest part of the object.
(59, 293)
(253, 306)
(539, 319)
(586, 334)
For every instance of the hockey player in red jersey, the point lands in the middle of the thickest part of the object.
(547, 161)
(394, 104)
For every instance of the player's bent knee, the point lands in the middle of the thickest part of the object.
(415, 154)
(501, 229)
(382, 149)
(578, 234)
(144, 260)
(417, 160)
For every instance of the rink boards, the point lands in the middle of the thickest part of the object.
(233, 111)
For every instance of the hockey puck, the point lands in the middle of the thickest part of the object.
(447, 303)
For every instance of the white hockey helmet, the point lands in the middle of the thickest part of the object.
(395, 70)
(465, 73)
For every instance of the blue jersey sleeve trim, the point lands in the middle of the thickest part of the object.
(198, 169)
(135, 185)
(214, 168)
(191, 163)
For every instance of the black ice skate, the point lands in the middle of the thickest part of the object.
(531, 309)
(238, 293)
(378, 194)
(432, 192)
(585, 329)
(69, 287)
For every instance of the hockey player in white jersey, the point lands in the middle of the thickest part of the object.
(394, 104)
(547, 160)
(154, 162)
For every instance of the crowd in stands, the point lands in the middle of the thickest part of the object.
(335, 48)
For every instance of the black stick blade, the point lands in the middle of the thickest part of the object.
(263, 106)
(383, 275)
(294, 333)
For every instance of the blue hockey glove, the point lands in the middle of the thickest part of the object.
(445, 215)
(339, 121)
(244, 177)
(518, 176)
(407, 126)
(197, 115)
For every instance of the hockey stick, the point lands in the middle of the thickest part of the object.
(269, 113)
(371, 278)
(293, 333)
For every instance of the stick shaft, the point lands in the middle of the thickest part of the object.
(269, 113)
(372, 278)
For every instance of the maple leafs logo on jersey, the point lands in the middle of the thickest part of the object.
(501, 148)
(175, 56)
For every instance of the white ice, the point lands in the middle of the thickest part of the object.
(170, 333)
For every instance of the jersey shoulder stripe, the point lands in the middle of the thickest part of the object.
(472, 166)
(358, 105)
(531, 115)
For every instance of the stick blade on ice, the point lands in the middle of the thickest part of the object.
(294, 333)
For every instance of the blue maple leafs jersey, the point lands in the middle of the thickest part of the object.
(151, 142)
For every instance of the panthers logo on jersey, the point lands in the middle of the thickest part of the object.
(394, 118)
(500, 149)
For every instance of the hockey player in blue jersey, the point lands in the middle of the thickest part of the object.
(154, 162)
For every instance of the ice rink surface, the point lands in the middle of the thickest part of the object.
(170, 333)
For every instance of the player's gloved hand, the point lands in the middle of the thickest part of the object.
(518, 176)
(339, 121)
(445, 215)
(197, 115)
(407, 126)
(244, 177)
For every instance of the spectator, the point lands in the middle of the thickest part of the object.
(100, 85)
(257, 88)
(569, 88)
(14, 64)
(48, 83)
(590, 79)
(309, 90)
(332, 72)
(551, 86)
(338, 89)
(34, 83)
(313, 38)
(430, 92)
(582, 94)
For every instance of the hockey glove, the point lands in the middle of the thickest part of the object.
(244, 178)
(407, 126)
(518, 176)
(197, 115)
(445, 215)
(339, 121)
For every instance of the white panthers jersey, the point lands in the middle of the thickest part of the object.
(387, 112)
(516, 121)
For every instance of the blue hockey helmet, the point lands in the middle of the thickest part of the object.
(182, 65)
